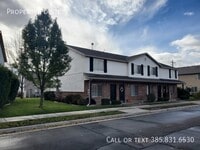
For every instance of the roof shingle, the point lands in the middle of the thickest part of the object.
(189, 70)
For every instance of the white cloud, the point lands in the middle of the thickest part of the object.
(188, 13)
(83, 22)
(107, 12)
(188, 42)
(148, 11)
(188, 52)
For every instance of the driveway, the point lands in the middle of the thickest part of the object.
(169, 130)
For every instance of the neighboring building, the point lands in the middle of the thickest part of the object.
(98, 75)
(3, 58)
(191, 77)
(30, 90)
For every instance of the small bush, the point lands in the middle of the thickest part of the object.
(50, 95)
(115, 102)
(160, 99)
(92, 101)
(183, 93)
(105, 101)
(9, 85)
(73, 99)
(151, 97)
(82, 102)
(14, 88)
(196, 96)
(68, 99)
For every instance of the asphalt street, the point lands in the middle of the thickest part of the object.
(171, 130)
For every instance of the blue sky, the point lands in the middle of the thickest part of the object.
(166, 29)
(174, 20)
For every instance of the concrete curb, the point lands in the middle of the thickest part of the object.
(39, 127)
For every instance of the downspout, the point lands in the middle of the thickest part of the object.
(89, 93)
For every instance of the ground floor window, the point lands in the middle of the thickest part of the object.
(134, 90)
(194, 89)
(96, 90)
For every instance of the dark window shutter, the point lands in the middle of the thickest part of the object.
(148, 70)
(105, 66)
(156, 71)
(142, 69)
(176, 74)
(132, 68)
(170, 75)
(91, 64)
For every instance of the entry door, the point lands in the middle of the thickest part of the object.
(159, 91)
(113, 91)
(121, 92)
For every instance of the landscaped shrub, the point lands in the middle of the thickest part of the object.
(115, 102)
(183, 93)
(151, 97)
(160, 99)
(196, 96)
(92, 101)
(14, 88)
(8, 86)
(105, 101)
(82, 102)
(73, 99)
(50, 95)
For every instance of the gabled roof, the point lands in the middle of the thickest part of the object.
(2, 47)
(146, 54)
(189, 70)
(111, 56)
(99, 54)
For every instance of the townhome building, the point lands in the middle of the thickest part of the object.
(190, 77)
(97, 75)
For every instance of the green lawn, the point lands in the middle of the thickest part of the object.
(29, 106)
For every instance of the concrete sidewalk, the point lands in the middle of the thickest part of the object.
(129, 110)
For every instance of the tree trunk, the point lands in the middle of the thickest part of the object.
(41, 98)
(22, 87)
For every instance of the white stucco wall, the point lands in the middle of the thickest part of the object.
(145, 61)
(1, 56)
(113, 68)
(164, 74)
(73, 80)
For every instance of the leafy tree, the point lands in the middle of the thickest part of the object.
(45, 55)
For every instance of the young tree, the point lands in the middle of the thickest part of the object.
(45, 55)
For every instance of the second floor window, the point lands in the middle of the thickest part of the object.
(139, 69)
(99, 64)
(153, 70)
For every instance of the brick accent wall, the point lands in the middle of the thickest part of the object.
(142, 91)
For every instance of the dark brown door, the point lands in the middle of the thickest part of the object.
(113, 92)
(121, 92)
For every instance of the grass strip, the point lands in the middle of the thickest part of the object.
(168, 106)
(29, 106)
(55, 119)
